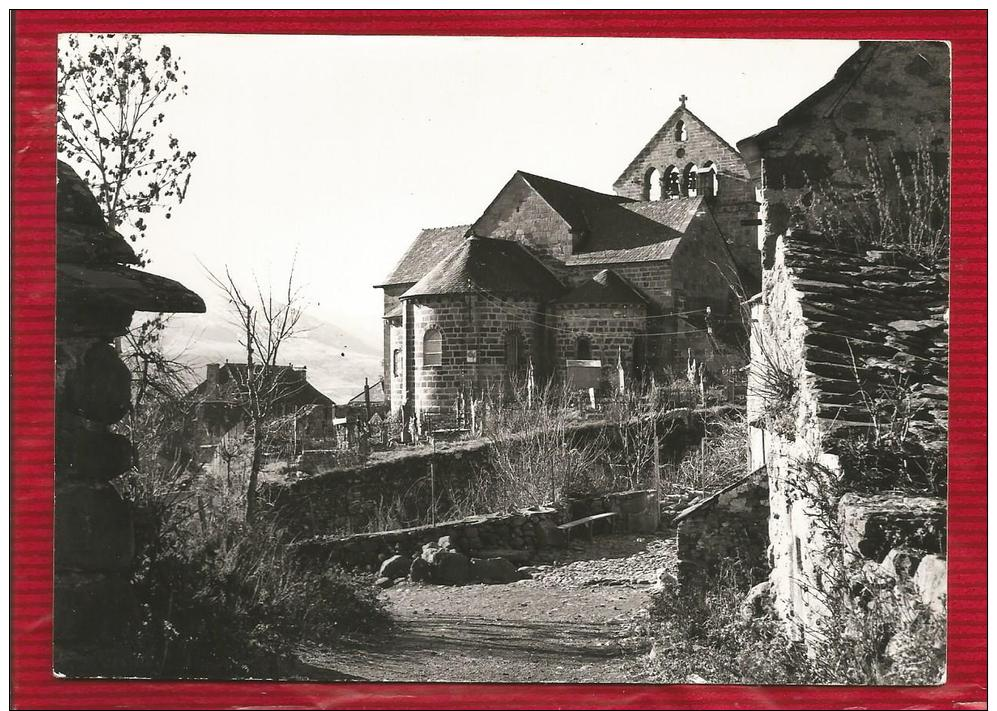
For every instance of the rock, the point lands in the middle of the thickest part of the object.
(383, 582)
(446, 542)
(548, 534)
(447, 567)
(493, 570)
(396, 566)
(931, 581)
(757, 602)
(419, 571)
(901, 563)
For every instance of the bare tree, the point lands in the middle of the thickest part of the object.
(266, 323)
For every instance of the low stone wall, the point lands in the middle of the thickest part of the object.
(519, 536)
(344, 500)
(516, 536)
(727, 528)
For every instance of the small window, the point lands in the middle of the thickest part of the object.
(396, 362)
(513, 351)
(432, 348)
(583, 348)
(681, 135)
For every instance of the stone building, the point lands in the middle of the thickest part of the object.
(219, 407)
(848, 395)
(551, 275)
(98, 291)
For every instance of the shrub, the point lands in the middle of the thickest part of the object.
(880, 634)
(241, 605)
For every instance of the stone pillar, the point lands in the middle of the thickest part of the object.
(95, 611)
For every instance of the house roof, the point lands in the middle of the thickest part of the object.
(606, 287)
(292, 386)
(874, 320)
(425, 252)
(93, 259)
(495, 266)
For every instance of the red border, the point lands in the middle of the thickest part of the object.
(32, 344)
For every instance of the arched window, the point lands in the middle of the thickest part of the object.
(681, 134)
(652, 184)
(690, 180)
(432, 348)
(515, 356)
(583, 348)
(671, 186)
(396, 362)
(708, 183)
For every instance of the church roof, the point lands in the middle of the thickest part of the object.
(495, 266)
(426, 250)
(658, 252)
(610, 222)
(606, 287)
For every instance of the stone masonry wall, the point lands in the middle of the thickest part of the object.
(735, 206)
(469, 323)
(611, 330)
(729, 529)
(521, 215)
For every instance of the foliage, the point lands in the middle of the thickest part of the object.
(239, 605)
(536, 455)
(901, 205)
(113, 95)
(720, 460)
(886, 637)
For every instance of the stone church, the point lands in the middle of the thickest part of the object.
(569, 283)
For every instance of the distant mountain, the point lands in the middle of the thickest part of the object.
(337, 360)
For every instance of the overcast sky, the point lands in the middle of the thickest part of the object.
(342, 148)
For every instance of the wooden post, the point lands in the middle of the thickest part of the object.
(432, 484)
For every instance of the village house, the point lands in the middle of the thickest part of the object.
(848, 391)
(556, 280)
(219, 409)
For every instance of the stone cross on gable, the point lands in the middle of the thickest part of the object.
(683, 99)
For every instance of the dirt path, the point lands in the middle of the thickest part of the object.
(565, 625)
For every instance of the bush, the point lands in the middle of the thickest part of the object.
(882, 635)
(240, 606)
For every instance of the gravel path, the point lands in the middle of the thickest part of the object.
(565, 625)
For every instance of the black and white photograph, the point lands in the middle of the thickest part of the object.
(502, 359)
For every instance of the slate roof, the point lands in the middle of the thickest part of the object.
(495, 266)
(425, 252)
(875, 319)
(293, 387)
(609, 222)
(92, 260)
(657, 252)
(606, 287)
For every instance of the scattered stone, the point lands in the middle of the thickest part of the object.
(397, 566)
(419, 571)
(757, 602)
(931, 581)
(493, 570)
(447, 567)
(901, 562)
